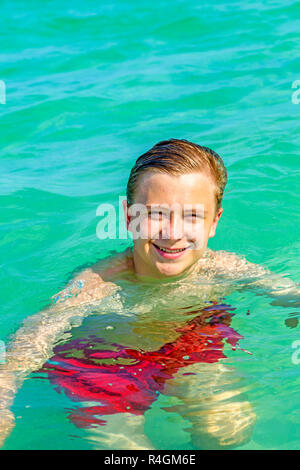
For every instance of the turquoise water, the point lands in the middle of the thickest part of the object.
(91, 87)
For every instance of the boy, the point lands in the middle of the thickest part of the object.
(175, 193)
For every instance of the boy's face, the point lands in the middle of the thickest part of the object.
(178, 213)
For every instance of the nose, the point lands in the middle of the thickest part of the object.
(172, 228)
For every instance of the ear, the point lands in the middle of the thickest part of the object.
(126, 214)
(212, 231)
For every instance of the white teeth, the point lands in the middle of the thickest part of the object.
(171, 251)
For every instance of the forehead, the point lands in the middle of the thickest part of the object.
(191, 188)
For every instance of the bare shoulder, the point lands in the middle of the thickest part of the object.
(232, 265)
(86, 287)
(113, 266)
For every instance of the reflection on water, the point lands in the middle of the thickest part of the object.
(118, 363)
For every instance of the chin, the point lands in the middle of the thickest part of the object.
(169, 270)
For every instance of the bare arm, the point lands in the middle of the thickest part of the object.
(262, 281)
(32, 344)
(283, 291)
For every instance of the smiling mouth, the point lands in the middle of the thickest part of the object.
(169, 251)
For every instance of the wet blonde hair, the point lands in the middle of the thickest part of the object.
(177, 157)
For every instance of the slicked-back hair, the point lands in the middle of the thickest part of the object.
(177, 157)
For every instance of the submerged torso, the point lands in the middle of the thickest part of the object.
(142, 336)
(115, 361)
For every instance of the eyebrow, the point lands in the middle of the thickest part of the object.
(155, 206)
(158, 207)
